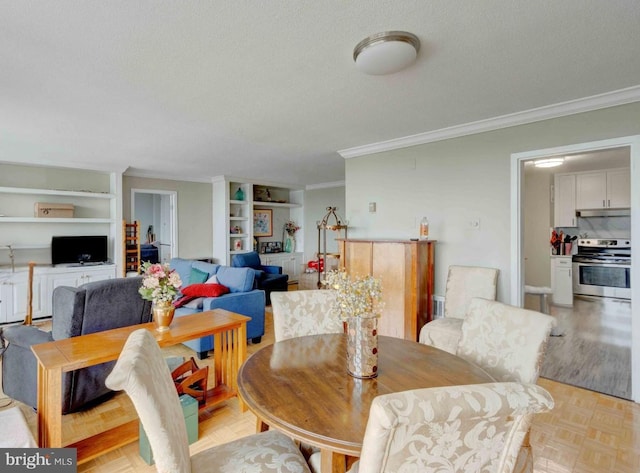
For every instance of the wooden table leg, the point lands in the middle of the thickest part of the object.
(217, 358)
(241, 356)
(261, 426)
(49, 407)
(332, 462)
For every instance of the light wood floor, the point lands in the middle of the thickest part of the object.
(586, 432)
(595, 350)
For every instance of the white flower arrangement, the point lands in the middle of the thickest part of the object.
(160, 283)
(358, 296)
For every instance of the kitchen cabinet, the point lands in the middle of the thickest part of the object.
(619, 189)
(405, 269)
(562, 280)
(291, 263)
(603, 189)
(564, 202)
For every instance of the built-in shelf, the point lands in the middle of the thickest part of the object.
(43, 246)
(238, 235)
(54, 220)
(26, 190)
(261, 203)
(242, 219)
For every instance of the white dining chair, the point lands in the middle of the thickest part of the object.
(509, 343)
(142, 372)
(300, 313)
(463, 284)
(468, 428)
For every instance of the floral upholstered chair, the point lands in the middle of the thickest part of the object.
(463, 284)
(300, 313)
(142, 372)
(509, 343)
(455, 429)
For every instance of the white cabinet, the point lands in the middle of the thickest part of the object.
(603, 189)
(564, 200)
(14, 288)
(561, 280)
(14, 292)
(291, 263)
(619, 189)
(75, 276)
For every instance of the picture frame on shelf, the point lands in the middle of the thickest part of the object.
(270, 247)
(263, 222)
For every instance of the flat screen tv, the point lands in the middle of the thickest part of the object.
(79, 249)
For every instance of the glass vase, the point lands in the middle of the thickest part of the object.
(289, 244)
(362, 347)
(163, 312)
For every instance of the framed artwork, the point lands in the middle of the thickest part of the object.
(262, 222)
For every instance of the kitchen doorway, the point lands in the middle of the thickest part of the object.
(519, 228)
(156, 210)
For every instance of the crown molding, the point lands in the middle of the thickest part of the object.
(173, 177)
(97, 167)
(325, 185)
(571, 107)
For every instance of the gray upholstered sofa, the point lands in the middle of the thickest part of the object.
(92, 307)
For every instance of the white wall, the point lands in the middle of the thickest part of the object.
(537, 218)
(457, 181)
(195, 212)
(145, 213)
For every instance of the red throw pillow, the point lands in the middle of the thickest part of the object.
(204, 290)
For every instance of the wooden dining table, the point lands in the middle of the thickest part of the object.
(301, 387)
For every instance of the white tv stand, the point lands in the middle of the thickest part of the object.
(14, 288)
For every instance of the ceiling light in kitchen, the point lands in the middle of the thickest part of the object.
(548, 163)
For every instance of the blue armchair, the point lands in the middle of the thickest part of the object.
(268, 278)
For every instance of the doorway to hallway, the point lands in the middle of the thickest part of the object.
(156, 212)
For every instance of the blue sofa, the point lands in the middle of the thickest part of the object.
(244, 297)
(268, 277)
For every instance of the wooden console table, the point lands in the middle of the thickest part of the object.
(54, 358)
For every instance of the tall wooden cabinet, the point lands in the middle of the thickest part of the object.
(405, 268)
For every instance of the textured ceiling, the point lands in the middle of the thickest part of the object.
(268, 90)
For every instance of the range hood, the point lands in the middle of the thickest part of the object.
(603, 213)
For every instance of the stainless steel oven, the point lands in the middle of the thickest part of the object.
(602, 267)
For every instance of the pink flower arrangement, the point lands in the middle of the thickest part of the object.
(291, 228)
(160, 283)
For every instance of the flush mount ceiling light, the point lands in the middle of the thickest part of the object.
(548, 163)
(386, 53)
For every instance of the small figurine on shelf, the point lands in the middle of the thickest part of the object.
(238, 245)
